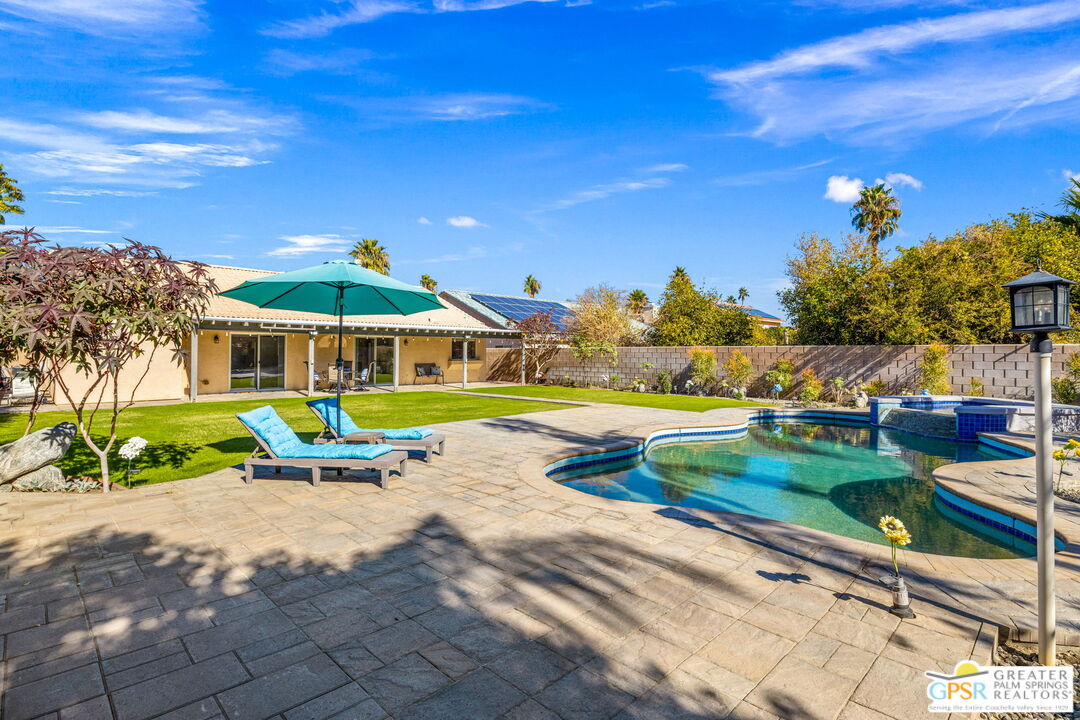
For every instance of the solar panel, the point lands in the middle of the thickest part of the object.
(517, 309)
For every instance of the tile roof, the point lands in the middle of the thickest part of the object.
(223, 308)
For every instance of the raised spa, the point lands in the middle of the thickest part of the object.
(834, 477)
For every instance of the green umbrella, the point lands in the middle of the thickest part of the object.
(338, 287)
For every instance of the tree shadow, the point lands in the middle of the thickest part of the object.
(432, 625)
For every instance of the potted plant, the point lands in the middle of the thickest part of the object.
(898, 536)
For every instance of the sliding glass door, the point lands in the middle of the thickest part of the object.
(377, 356)
(257, 362)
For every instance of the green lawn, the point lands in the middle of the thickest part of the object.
(618, 397)
(196, 438)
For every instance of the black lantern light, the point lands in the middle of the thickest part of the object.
(1040, 303)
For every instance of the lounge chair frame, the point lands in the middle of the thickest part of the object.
(436, 442)
(264, 456)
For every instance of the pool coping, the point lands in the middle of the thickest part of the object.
(855, 555)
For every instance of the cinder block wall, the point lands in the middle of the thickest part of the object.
(1005, 370)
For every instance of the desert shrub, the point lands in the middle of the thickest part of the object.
(875, 387)
(663, 381)
(976, 389)
(811, 387)
(781, 374)
(702, 368)
(1066, 388)
(934, 371)
(738, 370)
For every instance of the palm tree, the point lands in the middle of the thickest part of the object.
(532, 286)
(743, 294)
(636, 300)
(877, 213)
(9, 195)
(371, 255)
(680, 273)
(1070, 203)
(428, 283)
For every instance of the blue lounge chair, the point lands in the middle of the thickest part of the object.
(326, 409)
(279, 446)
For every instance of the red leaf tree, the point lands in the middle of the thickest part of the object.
(93, 311)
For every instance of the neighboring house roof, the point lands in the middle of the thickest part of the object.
(448, 320)
(754, 312)
(508, 310)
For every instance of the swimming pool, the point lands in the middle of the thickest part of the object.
(833, 477)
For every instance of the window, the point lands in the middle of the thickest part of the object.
(455, 349)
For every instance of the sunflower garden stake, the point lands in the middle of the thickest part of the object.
(898, 536)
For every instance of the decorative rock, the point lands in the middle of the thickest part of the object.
(46, 479)
(861, 399)
(35, 451)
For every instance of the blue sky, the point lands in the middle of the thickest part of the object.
(481, 140)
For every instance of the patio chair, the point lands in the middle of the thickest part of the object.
(403, 438)
(430, 370)
(279, 446)
(361, 381)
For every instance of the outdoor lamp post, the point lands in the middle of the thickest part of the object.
(1040, 306)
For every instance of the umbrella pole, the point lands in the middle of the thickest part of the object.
(340, 360)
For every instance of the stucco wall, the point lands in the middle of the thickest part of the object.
(1005, 370)
(165, 379)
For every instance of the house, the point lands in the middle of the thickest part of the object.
(238, 348)
(508, 310)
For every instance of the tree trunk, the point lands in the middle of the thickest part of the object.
(103, 460)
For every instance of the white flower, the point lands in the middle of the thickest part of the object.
(133, 448)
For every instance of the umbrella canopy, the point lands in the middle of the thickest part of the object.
(338, 287)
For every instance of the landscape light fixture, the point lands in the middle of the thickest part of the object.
(1040, 306)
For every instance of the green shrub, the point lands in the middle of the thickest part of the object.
(934, 372)
(811, 387)
(663, 381)
(976, 389)
(875, 387)
(781, 374)
(702, 368)
(738, 370)
(1066, 388)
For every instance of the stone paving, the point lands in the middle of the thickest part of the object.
(464, 591)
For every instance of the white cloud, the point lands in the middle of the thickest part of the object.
(211, 256)
(58, 152)
(763, 177)
(464, 221)
(859, 49)
(446, 107)
(599, 192)
(72, 230)
(979, 70)
(1070, 175)
(342, 61)
(668, 168)
(94, 192)
(307, 244)
(144, 121)
(423, 221)
(842, 189)
(109, 17)
(471, 106)
(898, 179)
(356, 12)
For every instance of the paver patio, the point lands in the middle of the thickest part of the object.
(466, 590)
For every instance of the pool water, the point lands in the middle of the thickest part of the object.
(836, 478)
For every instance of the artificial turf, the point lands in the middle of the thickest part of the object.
(191, 439)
